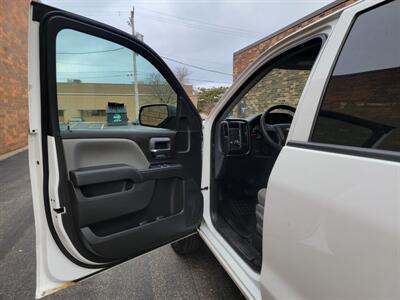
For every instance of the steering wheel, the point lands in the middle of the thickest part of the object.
(280, 131)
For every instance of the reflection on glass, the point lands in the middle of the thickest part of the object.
(97, 86)
(364, 91)
(153, 115)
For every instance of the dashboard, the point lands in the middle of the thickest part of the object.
(235, 137)
(244, 136)
(243, 151)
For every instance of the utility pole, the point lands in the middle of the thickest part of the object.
(139, 36)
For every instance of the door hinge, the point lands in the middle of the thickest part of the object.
(204, 188)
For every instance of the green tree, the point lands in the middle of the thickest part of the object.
(208, 97)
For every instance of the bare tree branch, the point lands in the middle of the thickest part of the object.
(182, 74)
(161, 89)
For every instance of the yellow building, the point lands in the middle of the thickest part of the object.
(87, 102)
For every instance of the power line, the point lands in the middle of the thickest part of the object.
(95, 77)
(211, 81)
(199, 27)
(127, 73)
(117, 65)
(92, 52)
(195, 67)
(103, 71)
(165, 57)
(201, 22)
(130, 75)
(89, 65)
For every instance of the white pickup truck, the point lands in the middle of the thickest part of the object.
(293, 183)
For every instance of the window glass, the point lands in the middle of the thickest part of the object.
(283, 83)
(364, 91)
(361, 134)
(102, 85)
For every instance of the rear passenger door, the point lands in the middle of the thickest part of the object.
(115, 148)
(332, 217)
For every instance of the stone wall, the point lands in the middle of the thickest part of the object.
(280, 86)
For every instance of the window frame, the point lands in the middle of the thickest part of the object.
(263, 70)
(343, 149)
(64, 20)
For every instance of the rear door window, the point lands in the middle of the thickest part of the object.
(361, 106)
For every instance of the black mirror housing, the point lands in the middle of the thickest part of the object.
(157, 115)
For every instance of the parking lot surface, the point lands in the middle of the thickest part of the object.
(160, 274)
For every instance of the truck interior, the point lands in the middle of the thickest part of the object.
(247, 139)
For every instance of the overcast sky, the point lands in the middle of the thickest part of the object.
(200, 33)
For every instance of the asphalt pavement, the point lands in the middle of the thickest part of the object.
(160, 274)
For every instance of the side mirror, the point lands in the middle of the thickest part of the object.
(157, 115)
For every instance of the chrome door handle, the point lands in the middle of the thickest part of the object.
(160, 146)
(159, 151)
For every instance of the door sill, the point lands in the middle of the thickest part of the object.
(246, 279)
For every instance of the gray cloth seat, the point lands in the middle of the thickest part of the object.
(260, 209)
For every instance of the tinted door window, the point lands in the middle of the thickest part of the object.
(361, 106)
(102, 85)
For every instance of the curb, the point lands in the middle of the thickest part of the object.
(12, 153)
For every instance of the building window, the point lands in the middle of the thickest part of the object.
(361, 106)
(93, 115)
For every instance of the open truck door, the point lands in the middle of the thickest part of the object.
(104, 188)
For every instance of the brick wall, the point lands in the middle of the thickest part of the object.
(13, 74)
(372, 96)
(244, 57)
